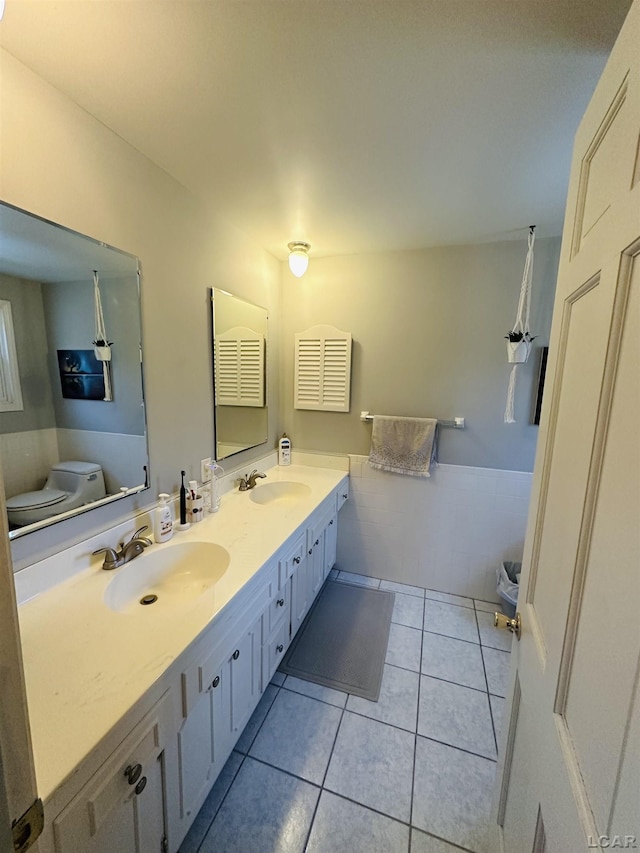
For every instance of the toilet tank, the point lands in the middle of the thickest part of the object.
(74, 477)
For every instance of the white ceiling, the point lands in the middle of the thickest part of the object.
(356, 125)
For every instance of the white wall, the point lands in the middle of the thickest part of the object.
(449, 532)
(60, 163)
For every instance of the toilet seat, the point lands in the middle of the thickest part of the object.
(36, 500)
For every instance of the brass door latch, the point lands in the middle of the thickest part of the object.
(513, 625)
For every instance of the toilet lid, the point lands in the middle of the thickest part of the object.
(36, 500)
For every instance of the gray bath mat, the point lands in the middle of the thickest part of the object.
(342, 643)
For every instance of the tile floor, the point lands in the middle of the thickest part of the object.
(322, 771)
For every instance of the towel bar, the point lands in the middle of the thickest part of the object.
(456, 423)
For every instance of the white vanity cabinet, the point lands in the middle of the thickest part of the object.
(143, 778)
(122, 807)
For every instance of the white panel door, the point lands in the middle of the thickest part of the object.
(570, 772)
(18, 782)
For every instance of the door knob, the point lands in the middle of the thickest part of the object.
(513, 625)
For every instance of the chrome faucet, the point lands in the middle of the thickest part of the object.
(128, 550)
(249, 480)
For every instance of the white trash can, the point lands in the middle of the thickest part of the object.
(508, 585)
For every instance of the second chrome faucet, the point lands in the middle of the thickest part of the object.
(249, 480)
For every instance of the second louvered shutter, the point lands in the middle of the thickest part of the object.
(322, 369)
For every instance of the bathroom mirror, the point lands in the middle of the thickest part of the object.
(239, 331)
(72, 417)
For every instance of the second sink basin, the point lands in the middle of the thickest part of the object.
(282, 492)
(166, 577)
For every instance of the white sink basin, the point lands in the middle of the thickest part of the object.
(282, 492)
(175, 574)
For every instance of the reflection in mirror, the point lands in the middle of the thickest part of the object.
(65, 446)
(239, 374)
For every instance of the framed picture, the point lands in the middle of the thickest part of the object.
(81, 374)
(544, 352)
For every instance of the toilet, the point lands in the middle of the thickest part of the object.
(69, 485)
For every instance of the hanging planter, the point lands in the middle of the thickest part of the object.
(518, 347)
(519, 339)
(102, 346)
(102, 349)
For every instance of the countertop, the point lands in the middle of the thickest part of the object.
(87, 665)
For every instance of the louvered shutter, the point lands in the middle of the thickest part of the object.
(322, 369)
(239, 368)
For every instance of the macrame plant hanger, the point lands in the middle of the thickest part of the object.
(101, 345)
(519, 338)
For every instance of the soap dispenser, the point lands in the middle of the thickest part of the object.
(162, 522)
(284, 450)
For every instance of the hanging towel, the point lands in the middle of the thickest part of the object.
(403, 445)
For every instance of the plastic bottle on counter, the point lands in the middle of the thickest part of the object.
(284, 450)
(163, 520)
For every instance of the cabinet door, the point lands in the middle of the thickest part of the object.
(195, 755)
(301, 595)
(274, 649)
(315, 558)
(134, 826)
(330, 544)
(123, 806)
(246, 676)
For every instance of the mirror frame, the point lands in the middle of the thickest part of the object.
(125, 491)
(263, 440)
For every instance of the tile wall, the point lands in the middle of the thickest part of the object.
(27, 458)
(449, 532)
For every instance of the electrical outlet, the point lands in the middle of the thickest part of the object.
(205, 472)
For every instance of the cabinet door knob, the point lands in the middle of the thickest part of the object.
(296, 560)
(280, 602)
(142, 784)
(215, 681)
(345, 497)
(279, 648)
(132, 773)
(310, 550)
(236, 654)
(317, 542)
(331, 522)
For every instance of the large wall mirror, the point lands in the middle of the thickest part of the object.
(239, 373)
(72, 418)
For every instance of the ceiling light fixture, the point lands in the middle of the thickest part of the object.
(298, 258)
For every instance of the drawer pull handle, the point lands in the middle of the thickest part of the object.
(345, 497)
(331, 522)
(310, 550)
(236, 654)
(317, 542)
(142, 784)
(280, 602)
(296, 560)
(279, 648)
(132, 773)
(215, 681)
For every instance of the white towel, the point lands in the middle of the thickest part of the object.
(403, 445)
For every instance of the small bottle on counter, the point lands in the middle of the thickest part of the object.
(284, 450)
(162, 521)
